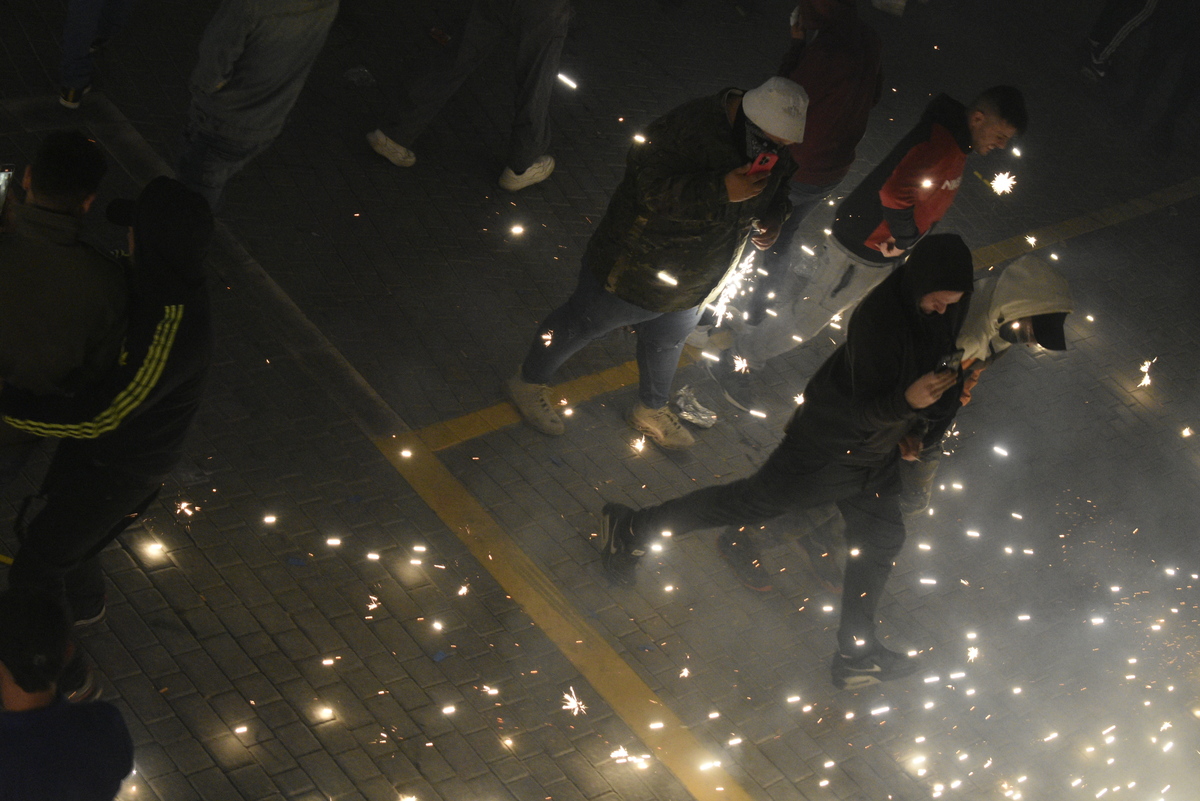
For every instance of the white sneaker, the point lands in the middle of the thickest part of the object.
(533, 402)
(538, 171)
(394, 152)
(662, 426)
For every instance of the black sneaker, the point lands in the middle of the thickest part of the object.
(739, 550)
(881, 664)
(618, 552)
(734, 383)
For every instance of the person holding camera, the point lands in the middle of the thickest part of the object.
(896, 371)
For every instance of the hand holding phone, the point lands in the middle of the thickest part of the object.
(763, 163)
(951, 363)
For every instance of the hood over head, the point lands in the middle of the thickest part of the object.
(1028, 287)
(172, 226)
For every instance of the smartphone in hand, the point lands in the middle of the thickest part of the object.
(763, 163)
(951, 363)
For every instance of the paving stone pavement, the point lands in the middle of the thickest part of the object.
(221, 624)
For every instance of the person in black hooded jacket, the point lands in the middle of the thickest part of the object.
(122, 435)
(841, 446)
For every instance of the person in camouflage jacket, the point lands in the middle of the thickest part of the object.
(674, 232)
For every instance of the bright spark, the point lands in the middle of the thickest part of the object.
(1187, 432)
(799, 399)
(1032, 240)
(639, 444)
(683, 674)
(641, 140)
(1003, 183)
(547, 338)
(972, 654)
(573, 704)
(740, 365)
(567, 81)
(1145, 368)
(667, 278)
(518, 229)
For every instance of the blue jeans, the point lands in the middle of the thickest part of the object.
(589, 314)
(87, 22)
(207, 161)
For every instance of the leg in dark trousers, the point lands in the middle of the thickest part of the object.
(79, 515)
(1117, 20)
(790, 480)
(542, 31)
(875, 528)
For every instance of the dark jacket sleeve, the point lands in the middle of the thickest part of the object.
(103, 405)
(876, 364)
(671, 186)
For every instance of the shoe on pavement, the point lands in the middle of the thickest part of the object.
(734, 383)
(618, 551)
(662, 426)
(391, 150)
(78, 682)
(87, 613)
(738, 548)
(879, 665)
(71, 97)
(533, 402)
(536, 173)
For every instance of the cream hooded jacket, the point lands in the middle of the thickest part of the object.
(1027, 287)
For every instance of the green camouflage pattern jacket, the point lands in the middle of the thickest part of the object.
(670, 234)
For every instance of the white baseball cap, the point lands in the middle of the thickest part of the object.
(779, 107)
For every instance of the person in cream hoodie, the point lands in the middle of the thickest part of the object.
(1026, 303)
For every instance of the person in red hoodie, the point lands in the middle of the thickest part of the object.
(898, 203)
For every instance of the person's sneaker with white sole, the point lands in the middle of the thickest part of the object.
(662, 426)
(878, 665)
(533, 402)
(537, 172)
(390, 149)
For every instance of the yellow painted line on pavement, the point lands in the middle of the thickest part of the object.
(7, 560)
(665, 735)
(450, 433)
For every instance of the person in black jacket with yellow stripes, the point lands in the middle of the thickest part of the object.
(122, 435)
(841, 446)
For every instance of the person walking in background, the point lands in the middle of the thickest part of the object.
(841, 446)
(1117, 20)
(837, 59)
(255, 56)
(122, 435)
(62, 302)
(711, 176)
(89, 26)
(539, 29)
(890, 210)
